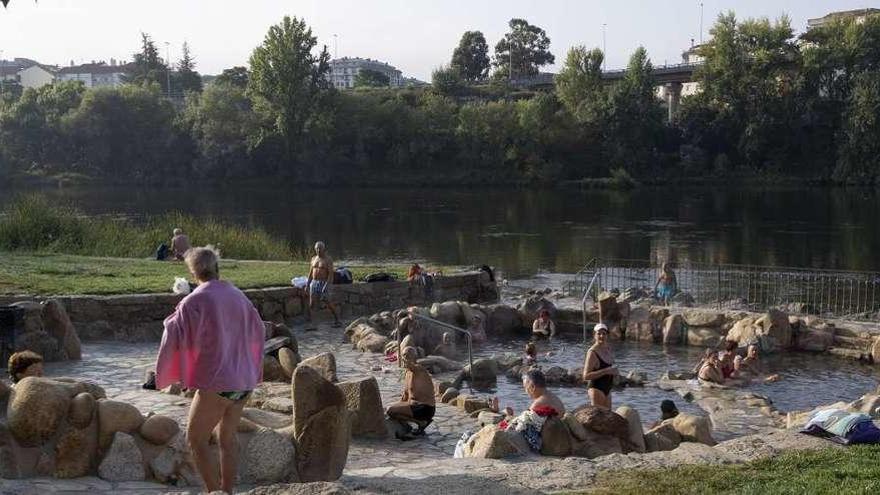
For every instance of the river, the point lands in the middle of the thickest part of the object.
(530, 231)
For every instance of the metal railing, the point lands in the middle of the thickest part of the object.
(444, 325)
(594, 285)
(578, 284)
(830, 293)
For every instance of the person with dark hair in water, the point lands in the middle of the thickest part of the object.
(543, 325)
(598, 368)
(668, 410)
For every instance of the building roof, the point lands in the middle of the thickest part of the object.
(9, 70)
(97, 68)
(842, 15)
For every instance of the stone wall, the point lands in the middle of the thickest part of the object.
(138, 317)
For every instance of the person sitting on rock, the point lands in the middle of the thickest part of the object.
(24, 364)
(213, 344)
(417, 403)
(543, 325)
(179, 245)
(545, 405)
(668, 410)
(711, 370)
(447, 347)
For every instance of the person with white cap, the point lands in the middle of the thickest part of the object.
(598, 368)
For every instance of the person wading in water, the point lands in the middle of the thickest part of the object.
(598, 369)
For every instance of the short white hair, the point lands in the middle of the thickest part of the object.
(319, 246)
(203, 262)
(178, 231)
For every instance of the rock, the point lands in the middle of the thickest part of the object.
(608, 307)
(875, 350)
(289, 360)
(556, 375)
(662, 438)
(641, 327)
(36, 410)
(484, 370)
(272, 370)
(672, 330)
(123, 462)
(776, 330)
(440, 363)
(440, 387)
(602, 421)
(159, 429)
(636, 435)
(449, 395)
(58, 324)
(317, 488)
(693, 428)
(363, 400)
(325, 364)
(596, 445)
(165, 466)
(815, 339)
(503, 320)
(448, 312)
(507, 360)
(372, 343)
(276, 343)
(636, 378)
(82, 410)
(576, 429)
(321, 425)
(268, 458)
(744, 331)
(492, 443)
(703, 336)
(555, 438)
(115, 416)
(489, 418)
(76, 451)
(471, 404)
(703, 318)
(266, 419)
(531, 308)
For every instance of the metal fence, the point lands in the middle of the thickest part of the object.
(845, 294)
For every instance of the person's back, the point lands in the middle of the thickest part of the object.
(180, 245)
(420, 385)
(549, 399)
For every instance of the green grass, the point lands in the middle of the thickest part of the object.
(853, 470)
(33, 224)
(54, 274)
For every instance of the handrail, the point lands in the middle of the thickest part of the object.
(445, 325)
(584, 303)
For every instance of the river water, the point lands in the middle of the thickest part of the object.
(530, 231)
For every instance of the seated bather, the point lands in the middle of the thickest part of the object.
(711, 370)
(24, 364)
(531, 355)
(417, 403)
(726, 359)
(668, 410)
(545, 405)
(447, 347)
(703, 360)
(477, 329)
(750, 366)
(543, 325)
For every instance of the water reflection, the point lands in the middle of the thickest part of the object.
(529, 231)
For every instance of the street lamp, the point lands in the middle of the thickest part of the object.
(168, 69)
(604, 48)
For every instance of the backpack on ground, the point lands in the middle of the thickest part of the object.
(379, 277)
(342, 275)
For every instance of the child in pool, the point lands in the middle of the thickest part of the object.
(531, 354)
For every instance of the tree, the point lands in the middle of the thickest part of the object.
(526, 46)
(188, 79)
(446, 81)
(471, 57)
(368, 78)
(235, 76)
(288, 81)
(860, 134)
(579, 84)
(149, 67)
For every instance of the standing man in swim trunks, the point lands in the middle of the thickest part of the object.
(417, 403)
(319, 282)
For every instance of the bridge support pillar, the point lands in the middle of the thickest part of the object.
(673, 100)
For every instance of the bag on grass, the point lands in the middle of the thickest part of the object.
(379, 277)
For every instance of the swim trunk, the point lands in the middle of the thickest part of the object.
(319, 288)
(422, 412)
(664, 291)
(236, 395)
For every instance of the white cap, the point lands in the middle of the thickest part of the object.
(600, 326)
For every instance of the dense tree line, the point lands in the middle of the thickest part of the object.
(770, 104)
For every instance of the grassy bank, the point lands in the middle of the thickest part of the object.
(32, 224)
(52, 274)
(851, 470)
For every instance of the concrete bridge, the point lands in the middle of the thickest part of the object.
(671, 77)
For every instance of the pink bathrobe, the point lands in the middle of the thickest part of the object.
(213, 341)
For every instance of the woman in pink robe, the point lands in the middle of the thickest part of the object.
(213, 343)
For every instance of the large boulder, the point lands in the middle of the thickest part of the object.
(744, 331)
(503, 320)
(37, 409)
(76, 450)
(595, 445)
(608, 307)
(641, 326)
(440, 364)
(324, 364)
(636, 435)
(531, 308)
(448, 312)
(372, 343)
(602, 421)
(575, 427)
(158, 429)
(703, 318)
(875, 350)
(776, 330)
(492, 443)
(483, 370)
(693, 428)
(815, 338)
(321, 426)
(704, 336)
(269, 458)
(289, 360)
(272, 370)
(363, 400)
(115, 416)
(57, 324)
(662, 438)
(124, 461)
(82, 410)
(556, 440)
(673, 330)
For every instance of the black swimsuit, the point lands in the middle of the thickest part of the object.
(603, 383)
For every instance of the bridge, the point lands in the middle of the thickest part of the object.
(671, 77)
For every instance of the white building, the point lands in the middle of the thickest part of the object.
(344, 70)
(36, 76)
(859, 15)
(96, 75)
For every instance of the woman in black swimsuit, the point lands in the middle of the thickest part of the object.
(598, 369)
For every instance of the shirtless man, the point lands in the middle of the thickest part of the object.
(711, 370)
(417, 403)
(535, 385)
(179, 244)
(319, 282)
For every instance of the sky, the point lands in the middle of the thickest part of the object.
(416, 36)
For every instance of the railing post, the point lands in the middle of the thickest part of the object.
(718, 287)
